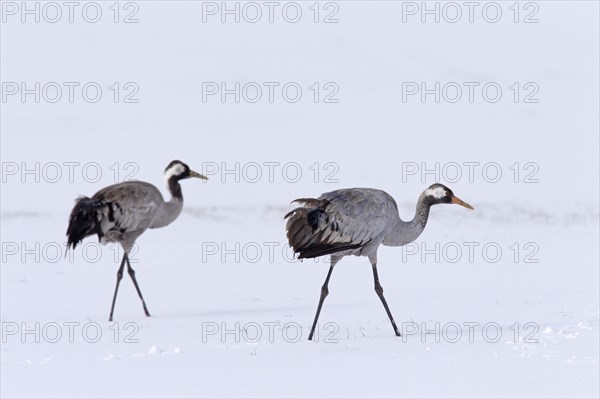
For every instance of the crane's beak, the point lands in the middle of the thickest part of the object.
(458, 201)
(198, 175)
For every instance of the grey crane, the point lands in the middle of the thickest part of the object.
(122, 212)
(357, 221)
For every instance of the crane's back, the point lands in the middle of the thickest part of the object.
(342, 222)
(117, 213)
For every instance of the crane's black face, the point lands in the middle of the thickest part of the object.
(177, 170)
(439, 194)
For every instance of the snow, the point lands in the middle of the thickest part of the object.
(502, 301)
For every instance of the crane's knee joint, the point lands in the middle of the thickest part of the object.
(324, 291)
(379, 290)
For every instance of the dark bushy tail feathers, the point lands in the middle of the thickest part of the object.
(84, 220)
(309, 227)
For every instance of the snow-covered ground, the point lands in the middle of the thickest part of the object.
(499, 302)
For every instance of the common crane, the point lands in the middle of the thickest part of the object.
(122, 212)
(357, 221)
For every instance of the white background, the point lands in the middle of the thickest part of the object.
(367, 139)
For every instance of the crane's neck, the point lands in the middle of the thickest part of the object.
(171, 209)
(174, 188)
(401, 232)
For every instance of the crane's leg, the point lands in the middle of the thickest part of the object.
(379, 291)
(324, 293)
(119, 277)
(137, 287)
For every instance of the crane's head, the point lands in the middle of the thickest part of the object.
(177, 170)
(439, 194)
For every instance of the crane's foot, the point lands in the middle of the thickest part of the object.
(395, 327)
(145, 309)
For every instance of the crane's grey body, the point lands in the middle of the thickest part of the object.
(363, 218)
(135, 207)
(122, 212)
(357, 221)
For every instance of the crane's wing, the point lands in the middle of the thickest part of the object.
(129, 205)
(338, 221)
(120, 208)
